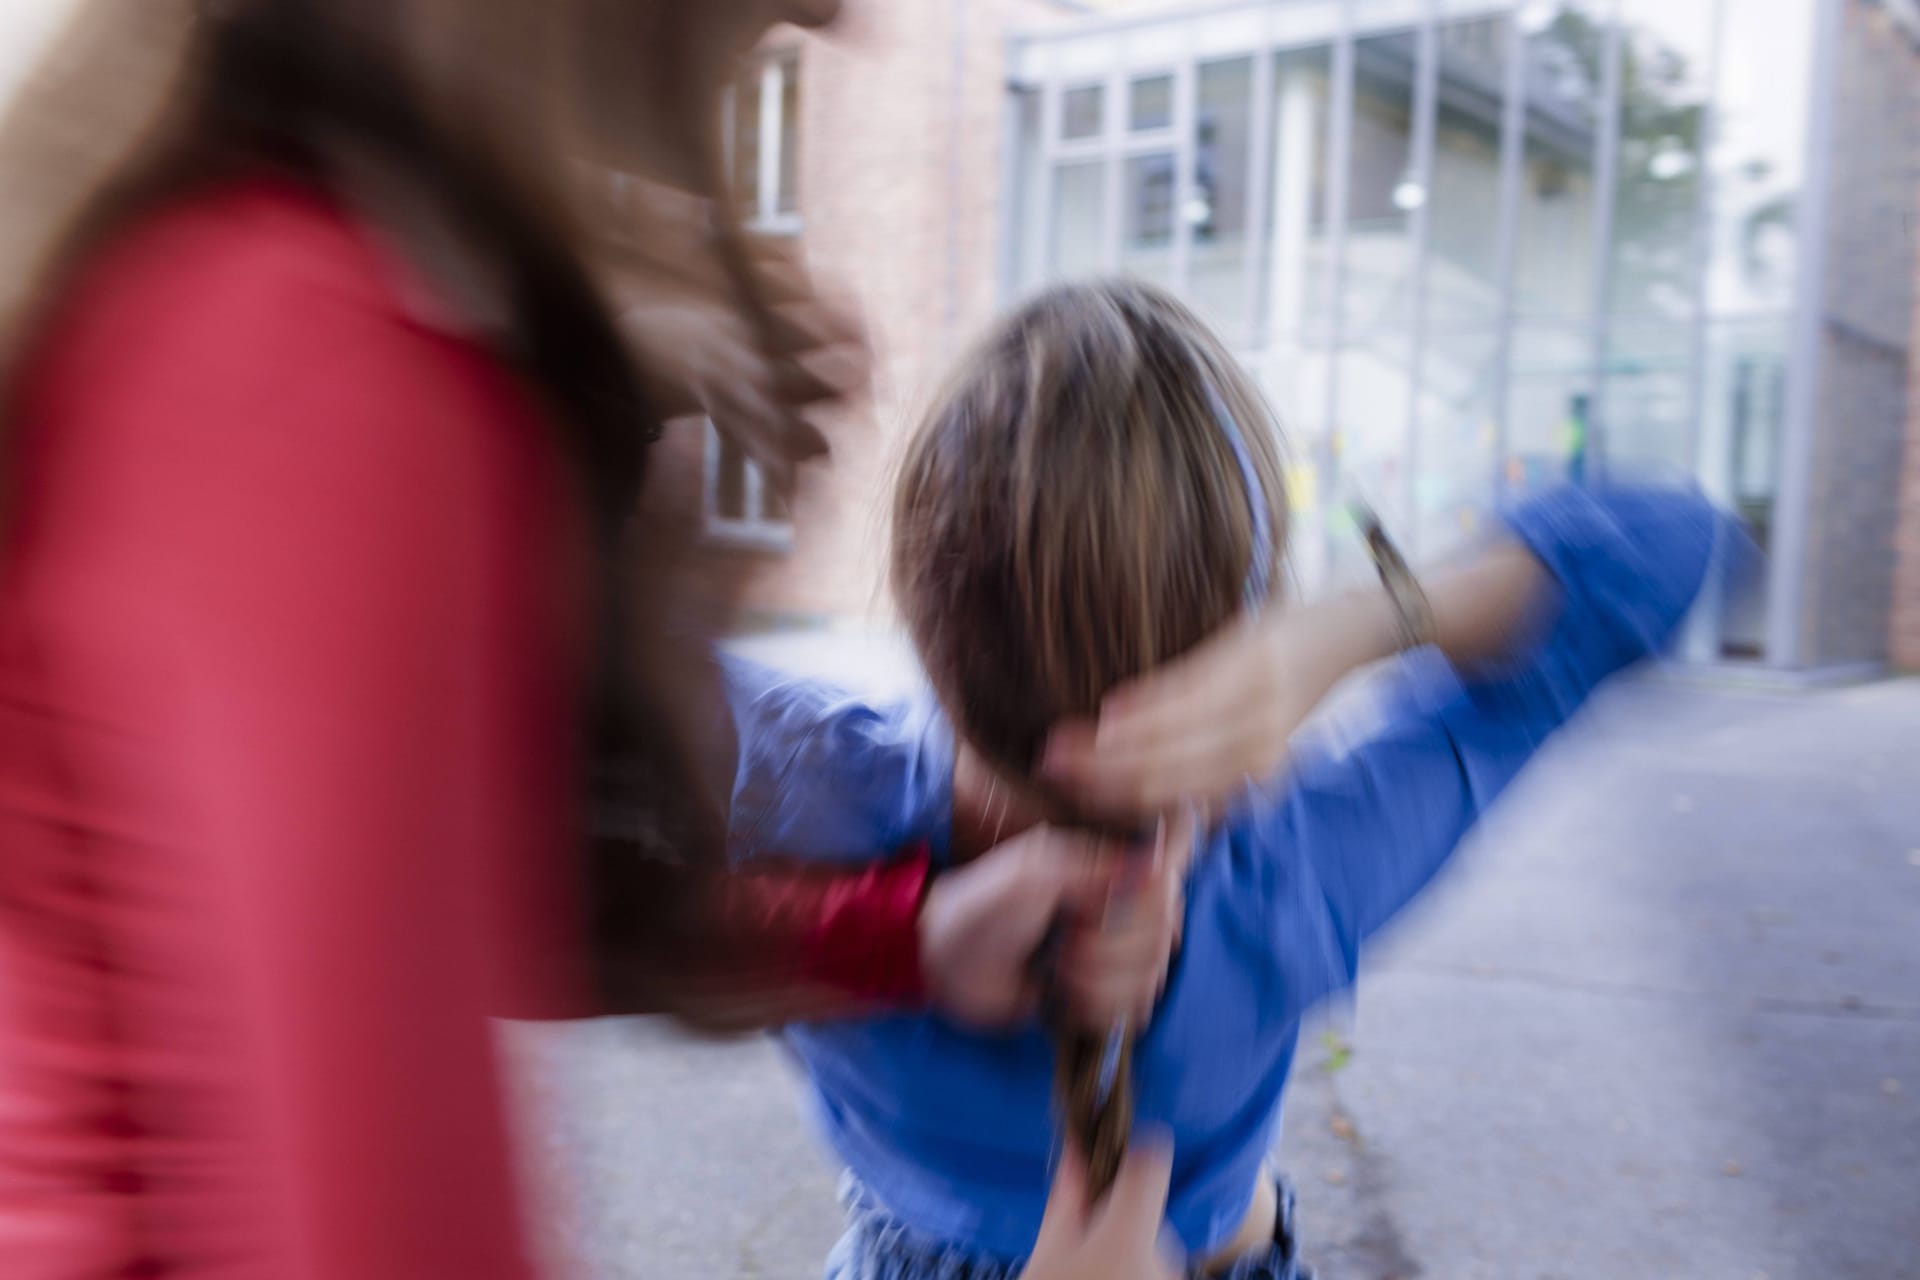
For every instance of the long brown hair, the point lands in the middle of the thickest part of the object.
(447, 121)
(1072, 512)
(1085, 501)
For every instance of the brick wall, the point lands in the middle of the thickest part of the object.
(1867, 305)
(1905, 639)
(900, 189)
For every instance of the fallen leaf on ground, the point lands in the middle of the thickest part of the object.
(1338, 1052)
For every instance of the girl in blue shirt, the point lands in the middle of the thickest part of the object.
(1087, 533)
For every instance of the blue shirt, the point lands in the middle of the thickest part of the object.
(953, 1131)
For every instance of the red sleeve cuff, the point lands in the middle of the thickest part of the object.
(867, 940)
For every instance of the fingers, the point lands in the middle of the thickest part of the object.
(762, 422)
(1065, 1219)
(758, 388)
(1216, 671)
(829, 373)
(1182, 843)
(1120, 970)
(808, 323)
(1206, 761)
(1196, 728)
(1069, 870)
(1136, 1206)
(1107, 976)
(1119, 1238)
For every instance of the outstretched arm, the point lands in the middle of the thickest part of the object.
(1582, 586)
(1202, 728)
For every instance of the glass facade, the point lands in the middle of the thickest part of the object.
(1468, 247)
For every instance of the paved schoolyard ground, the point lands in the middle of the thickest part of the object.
(1661, 1019)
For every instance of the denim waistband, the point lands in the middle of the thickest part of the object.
(878, 1246)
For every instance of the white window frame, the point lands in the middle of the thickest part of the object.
(765, 217)
(755, 530)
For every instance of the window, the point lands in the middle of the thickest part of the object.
(740, 506)
(1564, 54)
(763, 159)
(1152, 105)
(763, 144)
(1081, 112)
(1078, 219)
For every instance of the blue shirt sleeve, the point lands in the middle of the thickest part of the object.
(1353, 837)
(824, 775)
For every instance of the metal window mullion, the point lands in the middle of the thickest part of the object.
(710, 490)
(1265, 107)
(1078, 149)
(1339, 161)
(1426, 97)
(754, 502)
(1702, 637)
(1606, 166)
(1794, 458)
(1186, 122)
(1050, 94)
(1705, 204)
(1013, 162)
(772, 103)
(1115, 133)
(1513, 123)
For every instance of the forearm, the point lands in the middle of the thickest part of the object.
(1582, 585)
(1599, 577)
(1483, 607)
(749, 948)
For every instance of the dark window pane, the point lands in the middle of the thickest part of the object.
(1549, 405)
(1742, 412)
(1664, 56)
(790, 137)
(1079, 219)
(1381, 193)
(1080, 112)
(1757, 158)
(746, 141)
(1151, 105)
(730, 482)
(1563, 69)
(1647, 409)
(1147, 193)
(1454, 450)
(1222, 255)
(1463, 190)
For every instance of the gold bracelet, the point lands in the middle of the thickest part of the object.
(1410, 603)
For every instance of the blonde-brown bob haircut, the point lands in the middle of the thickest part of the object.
(1072, 511)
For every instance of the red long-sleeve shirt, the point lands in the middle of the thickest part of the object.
(288, 657)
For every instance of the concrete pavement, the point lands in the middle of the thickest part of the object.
(1662, 1019)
